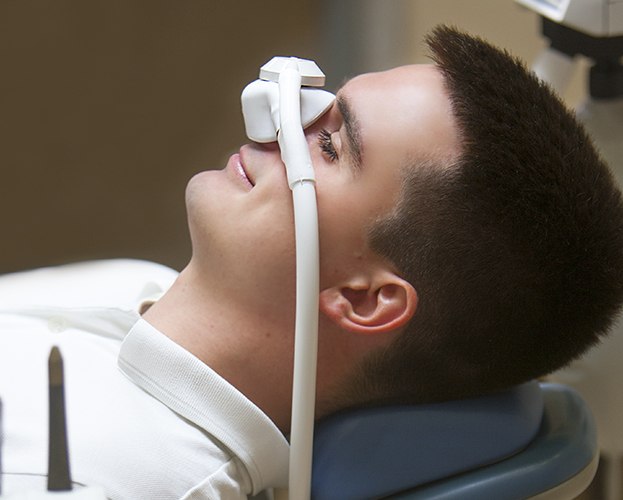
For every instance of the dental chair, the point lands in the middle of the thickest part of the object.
(532, 441)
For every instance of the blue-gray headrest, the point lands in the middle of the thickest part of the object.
(375, 452)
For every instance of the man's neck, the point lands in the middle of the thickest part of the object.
(255, 356)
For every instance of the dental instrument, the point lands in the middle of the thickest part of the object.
(59, 475)
(277, 106)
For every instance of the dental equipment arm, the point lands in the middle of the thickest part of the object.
(592, 28)
(295, 107)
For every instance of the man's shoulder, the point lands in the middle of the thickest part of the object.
(114, 283)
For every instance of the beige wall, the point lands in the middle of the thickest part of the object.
(107, 107)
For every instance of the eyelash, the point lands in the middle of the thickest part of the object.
(326, 144)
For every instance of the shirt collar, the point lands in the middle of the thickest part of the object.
(195, 391)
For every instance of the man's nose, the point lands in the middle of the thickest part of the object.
(269, 147)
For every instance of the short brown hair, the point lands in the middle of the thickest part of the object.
(516, 252)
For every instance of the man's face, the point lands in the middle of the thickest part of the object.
(241, 217)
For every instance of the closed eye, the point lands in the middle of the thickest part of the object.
(326, 145)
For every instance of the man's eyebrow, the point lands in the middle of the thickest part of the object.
(353, 132)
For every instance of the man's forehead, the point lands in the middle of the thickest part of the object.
(407, 107)
(399, 71)
(354, 90)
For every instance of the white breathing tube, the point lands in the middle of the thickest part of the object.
(297, 107)
(295, 155)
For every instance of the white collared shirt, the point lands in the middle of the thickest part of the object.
(146, 419)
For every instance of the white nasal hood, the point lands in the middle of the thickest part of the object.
(260, 99)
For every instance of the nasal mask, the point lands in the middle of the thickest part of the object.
(284, 101)
(278, 107)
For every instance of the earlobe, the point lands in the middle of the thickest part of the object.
(369, 309)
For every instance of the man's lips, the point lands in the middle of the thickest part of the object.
(236, 165)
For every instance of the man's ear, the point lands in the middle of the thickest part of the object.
(382, 304)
